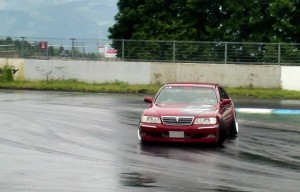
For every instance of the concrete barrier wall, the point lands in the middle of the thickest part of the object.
(263, 76)
(88, 71)
(17, 64)
(290, 77)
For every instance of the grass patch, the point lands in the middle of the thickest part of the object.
(122, 87)
(6, 74)
(264, 93)
(73, 85)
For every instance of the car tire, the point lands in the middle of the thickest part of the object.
(222, 133)
(234, 128)
(139, 135)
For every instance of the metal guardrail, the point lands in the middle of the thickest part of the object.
(153, 50)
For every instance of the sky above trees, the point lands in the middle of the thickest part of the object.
(57, 18)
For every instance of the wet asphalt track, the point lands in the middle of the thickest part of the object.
(76, 142)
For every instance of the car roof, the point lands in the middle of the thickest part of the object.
(193, 84)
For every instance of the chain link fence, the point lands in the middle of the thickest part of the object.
(151, 50)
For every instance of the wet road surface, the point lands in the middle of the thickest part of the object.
(77, 142)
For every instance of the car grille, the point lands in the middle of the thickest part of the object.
(177, 120)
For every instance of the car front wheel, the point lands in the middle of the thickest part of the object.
(139, 135)
(222, 133)
(234, 128)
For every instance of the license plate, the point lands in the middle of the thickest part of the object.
(176, 134)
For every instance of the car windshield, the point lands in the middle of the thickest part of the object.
(187, 94)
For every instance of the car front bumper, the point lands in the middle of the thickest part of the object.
(181, 134)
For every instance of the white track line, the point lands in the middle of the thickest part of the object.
(268, 111)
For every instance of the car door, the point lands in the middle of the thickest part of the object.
(226, 108)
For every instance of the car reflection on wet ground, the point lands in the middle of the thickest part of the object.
(57, 141)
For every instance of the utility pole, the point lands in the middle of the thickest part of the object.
(73, 48)
(22, 46)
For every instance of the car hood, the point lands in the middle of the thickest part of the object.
(180, 110)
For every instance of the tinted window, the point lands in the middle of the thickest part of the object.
(187, 94)
(223, 93)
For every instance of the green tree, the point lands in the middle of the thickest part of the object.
(156, 19)
(6, 73)
(284, 25)
(208, 20)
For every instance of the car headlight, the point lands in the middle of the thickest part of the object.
(211, 120)
(150, 119)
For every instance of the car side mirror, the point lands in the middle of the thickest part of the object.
(148, 99)
(225, 101)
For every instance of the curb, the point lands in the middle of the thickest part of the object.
(268, 111)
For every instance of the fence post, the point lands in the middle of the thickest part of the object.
(22, 46)
(279, 53)
(123, 46)
(226, 51)
(174, 51)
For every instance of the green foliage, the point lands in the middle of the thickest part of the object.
(157, 19)
(123, 87)
(148, 50)
(282, 12)
(264, 93)
(6, 41)
(290, 53)
(208, 20)
(6, 74)
(183, 21)
(24, 48)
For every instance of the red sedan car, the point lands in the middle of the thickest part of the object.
(188, 112)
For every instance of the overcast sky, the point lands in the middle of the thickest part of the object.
(88, 19)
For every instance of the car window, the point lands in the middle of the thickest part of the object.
(187, 94)
(223, 93)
